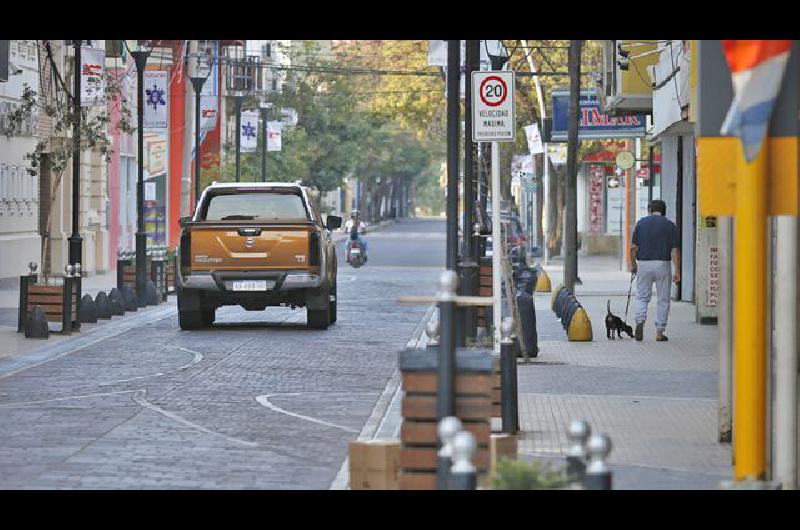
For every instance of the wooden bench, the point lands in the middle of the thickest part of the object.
(419, 429)
(60, 303)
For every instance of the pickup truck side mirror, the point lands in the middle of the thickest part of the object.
(185, 220)
(333, 222)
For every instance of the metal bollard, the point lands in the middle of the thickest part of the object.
(508, 380)
(577, 434)
(463, 474)
(448, 428)
(598, 474)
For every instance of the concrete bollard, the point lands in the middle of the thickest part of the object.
(448, 428)
(151, 293)
(131, 301)
(117, 302)
(36, 324)
(463, 474)
(578, 435)
(508, 380)
(102, 306)
(87, 312)
(598, 474)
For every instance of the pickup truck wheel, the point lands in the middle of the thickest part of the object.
(190, 319)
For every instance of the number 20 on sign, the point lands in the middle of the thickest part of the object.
(493, 118)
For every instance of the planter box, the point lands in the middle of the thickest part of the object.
(60, 301)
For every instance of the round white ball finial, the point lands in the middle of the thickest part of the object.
(449, 281)
(464, 446)
(476, 228)
(579, 431)
(77, 269)
(68, 270)
(598, 447)
(448, 428)
(33, 266)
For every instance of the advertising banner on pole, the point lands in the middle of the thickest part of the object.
(249, 136)
(208, 112)
(93, 83)
(155, 99)
(274, 130)
(534, 139)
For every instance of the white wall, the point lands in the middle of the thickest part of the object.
(689, 220)
(19, 190)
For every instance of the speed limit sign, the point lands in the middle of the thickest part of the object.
(493, 117)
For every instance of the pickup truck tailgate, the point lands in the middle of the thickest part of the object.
(250, 247)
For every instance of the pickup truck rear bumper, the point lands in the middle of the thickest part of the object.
(223, 280)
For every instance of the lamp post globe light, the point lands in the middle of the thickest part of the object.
(199, 69)
(140, 57)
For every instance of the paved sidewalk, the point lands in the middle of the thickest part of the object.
(657, 401)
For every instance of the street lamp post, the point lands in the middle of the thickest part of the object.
(197, 84)
(140, 57)
(75, 240)
(265, 106)
(238, 98)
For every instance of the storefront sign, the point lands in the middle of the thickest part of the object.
(597, 175)
(593, 123)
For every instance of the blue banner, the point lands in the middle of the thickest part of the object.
(593, 123)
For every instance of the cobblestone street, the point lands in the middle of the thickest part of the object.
(257, 401)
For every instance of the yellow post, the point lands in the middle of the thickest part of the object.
(750, 312)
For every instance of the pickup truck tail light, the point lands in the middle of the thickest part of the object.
(186, 252)
(314, 248)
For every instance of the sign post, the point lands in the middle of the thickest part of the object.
(493, 120)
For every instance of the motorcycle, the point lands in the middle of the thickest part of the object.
(355, 253)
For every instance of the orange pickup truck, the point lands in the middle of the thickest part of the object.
(256, 245)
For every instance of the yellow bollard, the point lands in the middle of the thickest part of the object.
(750, 286)
(580, 328)
(553, 297)
(543, 283)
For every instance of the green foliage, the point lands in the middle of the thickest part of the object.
(521, 475)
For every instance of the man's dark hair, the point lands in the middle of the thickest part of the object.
(658, 206)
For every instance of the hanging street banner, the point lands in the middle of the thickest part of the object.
(208, 112)
(155, 99)
(274, 130)
(534, 139)
(93, 83)
(593, 123)
(248, 131)
(493, 117)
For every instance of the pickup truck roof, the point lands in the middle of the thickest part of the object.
(218, 185)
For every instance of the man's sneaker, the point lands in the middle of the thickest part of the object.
(638, 334)
(660, 337)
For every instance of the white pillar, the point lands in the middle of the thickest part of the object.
(785, 315)
(497, 242)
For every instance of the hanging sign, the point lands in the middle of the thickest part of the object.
(155, 99)
(274, 129)
(249, 136)
(493, 118)
(593, 122)
(93, 83)
(208, 113)
(534, 139)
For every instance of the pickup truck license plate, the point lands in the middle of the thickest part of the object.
(355, 251)
(251, 285)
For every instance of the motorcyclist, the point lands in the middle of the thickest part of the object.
(355, 227)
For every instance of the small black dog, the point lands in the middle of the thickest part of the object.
(614, 323)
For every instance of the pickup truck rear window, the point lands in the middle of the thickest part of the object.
(256, 206)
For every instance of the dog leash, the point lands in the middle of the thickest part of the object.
(633, 275)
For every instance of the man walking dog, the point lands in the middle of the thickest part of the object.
(655, 241)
